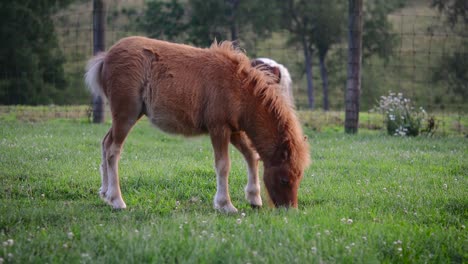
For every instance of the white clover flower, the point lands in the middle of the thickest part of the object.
(70, 235)
(314, 250)
(350, 221)
(239, 221)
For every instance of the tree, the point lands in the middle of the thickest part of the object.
(164, 20)
(455, 10)
(453, 68)
(200, 22)
(353, 85)
(296, 18)
(328, 30)
(32, 63)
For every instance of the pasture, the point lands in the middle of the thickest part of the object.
(366, 198)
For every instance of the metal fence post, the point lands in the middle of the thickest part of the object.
(353, 84)
(98, 46)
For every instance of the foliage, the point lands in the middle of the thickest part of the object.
(453, 71)
(369, 198)
(378, 36)
(200, 22)
(32, 63)
(456, 10)
(164, 20)
(401, 118)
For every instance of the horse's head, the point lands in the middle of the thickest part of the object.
(282, 184)
(283, 173)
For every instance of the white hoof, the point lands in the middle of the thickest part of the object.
(118, 204)
(253, 197)
(225, 207)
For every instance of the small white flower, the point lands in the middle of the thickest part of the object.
(239, 221)
(177, 203)
(314, 250)
(243, 214)
(1, 260)
(350, 221)
(70, 235)
(445, 186)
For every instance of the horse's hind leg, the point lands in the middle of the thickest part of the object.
(123, 119)
(252, 190)
(220, 142)
(103, 168)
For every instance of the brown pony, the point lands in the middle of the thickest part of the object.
(191, 91)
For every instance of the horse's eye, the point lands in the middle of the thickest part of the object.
(284, 181)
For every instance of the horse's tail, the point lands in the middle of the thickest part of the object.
(93, 74)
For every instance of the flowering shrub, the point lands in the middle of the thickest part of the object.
(400, 116)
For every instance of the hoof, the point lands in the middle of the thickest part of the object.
(225, 208)
(255, 206)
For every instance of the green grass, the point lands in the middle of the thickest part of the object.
(366, 198)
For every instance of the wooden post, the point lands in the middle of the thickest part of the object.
(353, 84)
(98, 46)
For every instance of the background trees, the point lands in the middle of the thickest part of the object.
(32, 62)
(452, 69)
(421, 55)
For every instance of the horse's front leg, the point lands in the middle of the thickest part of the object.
(252, 190)
(220, 140)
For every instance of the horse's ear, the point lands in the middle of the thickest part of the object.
(276, 71)
(255, 62)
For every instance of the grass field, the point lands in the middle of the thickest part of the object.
(366, 198)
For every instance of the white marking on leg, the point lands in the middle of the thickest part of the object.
(252, 190)
(103, 170)
(113, 194)
(222, 201)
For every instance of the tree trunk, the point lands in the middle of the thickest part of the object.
(308, 65)
(353, 84)
(324, 73)
(98, 46)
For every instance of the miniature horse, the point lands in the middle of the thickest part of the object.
(282, 73)
(192, 91)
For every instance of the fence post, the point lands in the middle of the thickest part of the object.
(353, 84)
(98, 46)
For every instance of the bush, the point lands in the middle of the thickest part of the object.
(400, 116)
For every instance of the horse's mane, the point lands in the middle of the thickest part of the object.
(261, 82)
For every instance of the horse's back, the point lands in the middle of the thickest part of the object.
(184, 90)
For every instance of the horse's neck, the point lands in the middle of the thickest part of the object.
(263, 128)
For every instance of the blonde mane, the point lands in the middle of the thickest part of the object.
(260, 83)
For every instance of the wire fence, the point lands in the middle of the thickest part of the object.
(423, 42)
